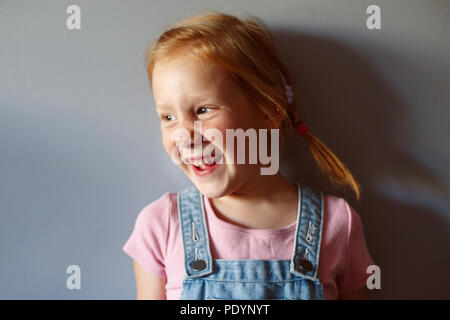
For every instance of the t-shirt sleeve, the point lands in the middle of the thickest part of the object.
(357, 256)
(147, 243)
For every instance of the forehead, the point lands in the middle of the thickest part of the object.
(186, 77)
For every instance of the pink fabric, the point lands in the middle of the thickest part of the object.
(156, 244)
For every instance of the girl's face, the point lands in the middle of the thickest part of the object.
(185, 91)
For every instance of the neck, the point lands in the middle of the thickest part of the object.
(261, 189)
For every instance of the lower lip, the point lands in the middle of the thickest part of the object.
(207, 171)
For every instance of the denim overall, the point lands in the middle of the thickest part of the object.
(295, 279)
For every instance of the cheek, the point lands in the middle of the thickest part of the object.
(166, 141)
(243, 121)
(226, 122)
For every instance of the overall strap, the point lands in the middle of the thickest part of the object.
(191, 213)
(308, 234)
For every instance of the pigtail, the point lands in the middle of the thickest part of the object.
(329, 164)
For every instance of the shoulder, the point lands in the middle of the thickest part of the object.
(158, 220)
(343, 228)
(345, 248)
(339, 216)
(157, 211)
(336, 208)
(152, 226)
(147, 243)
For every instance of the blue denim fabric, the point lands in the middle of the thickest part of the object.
(296, 279)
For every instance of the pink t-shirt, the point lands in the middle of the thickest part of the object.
(156, 244)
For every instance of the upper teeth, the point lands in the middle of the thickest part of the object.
(198, 163)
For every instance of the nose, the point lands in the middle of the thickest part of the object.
(188, 135)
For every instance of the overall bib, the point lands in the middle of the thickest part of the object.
(295, 279)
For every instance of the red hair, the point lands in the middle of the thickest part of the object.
(245, 49)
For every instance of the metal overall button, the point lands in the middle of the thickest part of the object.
(305, 264)
(198, 264)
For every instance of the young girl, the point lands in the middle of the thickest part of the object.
(236, 233)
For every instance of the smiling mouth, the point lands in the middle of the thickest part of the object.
(204, 169)
(204, 165)
(202, 161)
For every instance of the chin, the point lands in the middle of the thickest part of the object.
(216, 186)
(211, 190)
(211, 187)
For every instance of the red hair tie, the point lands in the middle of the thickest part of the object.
(301, 128)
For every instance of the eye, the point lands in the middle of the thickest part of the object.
(202, 110)
(167, 117)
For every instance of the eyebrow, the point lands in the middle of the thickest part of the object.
(197, 99)
(161, 106)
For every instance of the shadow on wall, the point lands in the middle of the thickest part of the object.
(354, 112)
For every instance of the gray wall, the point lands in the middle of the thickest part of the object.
(80, 142)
